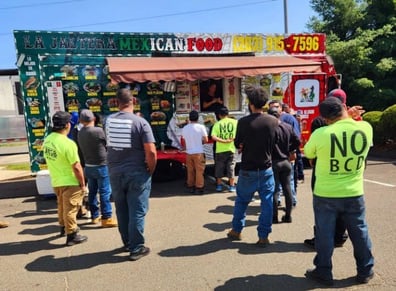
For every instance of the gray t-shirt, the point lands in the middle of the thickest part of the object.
(126, 134)
(92, 142)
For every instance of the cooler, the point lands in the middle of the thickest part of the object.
(43, 183)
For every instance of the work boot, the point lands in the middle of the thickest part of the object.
(62, 230)
(3, 224)
(95, 220)
(263, 242)
(75, 238)
(233, 235)
(109, 222)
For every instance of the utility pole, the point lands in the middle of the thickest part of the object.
(285, 16)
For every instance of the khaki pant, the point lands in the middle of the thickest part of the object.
(195, 164)
(69, 199)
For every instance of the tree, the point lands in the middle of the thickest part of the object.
(361, 38)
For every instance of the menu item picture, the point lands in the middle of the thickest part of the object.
(112, 102)
(69, 70)
(92, 87)
(165, 105)
(111, 86)
(33, 102)
(158, 116)
(277, 91)
(31, 83)
(153, 86)
(38, 142)
(90, 71)
(72, 103)
(36, 123)
(93, 102)
(70, 88)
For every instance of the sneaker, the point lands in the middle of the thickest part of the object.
(286, 219)
(4, 224)
(123, 249)
(233, 235)
(313, 275)
(144, 251)
(232, 188)
(364, 279)
(263, 242)
(109, 222)
(95, 220)
(219, 187)
(75, 238)
(310, 243)
(200, 191)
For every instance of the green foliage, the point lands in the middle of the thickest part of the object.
(361, 39)
(374, 117)
(19, 167)
(388, 122)
(339, 17)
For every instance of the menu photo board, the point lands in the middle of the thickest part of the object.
(55, 97)
(232, 94)
(183, 97)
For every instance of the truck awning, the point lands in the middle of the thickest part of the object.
(142, 69)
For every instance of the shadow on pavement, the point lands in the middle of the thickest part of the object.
(81, 262)
(18, 188)
(279, 282)
(28, 247)
(242, 247)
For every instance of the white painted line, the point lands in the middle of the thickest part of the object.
(379, 183)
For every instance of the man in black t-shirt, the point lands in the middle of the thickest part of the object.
(255, 139)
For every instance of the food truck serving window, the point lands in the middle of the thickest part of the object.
(208, 95)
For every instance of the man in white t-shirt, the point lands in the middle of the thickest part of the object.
(194, 135)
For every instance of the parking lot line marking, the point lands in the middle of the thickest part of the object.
(379, 183)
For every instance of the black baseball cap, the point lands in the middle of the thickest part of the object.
(60, 119)
(223, 110)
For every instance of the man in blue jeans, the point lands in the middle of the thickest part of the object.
(340, 149)
(92, 142)
(132, 157)
(255, 138)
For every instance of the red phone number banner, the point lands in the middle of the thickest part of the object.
(305, 44)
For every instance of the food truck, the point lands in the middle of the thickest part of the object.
(168, 73)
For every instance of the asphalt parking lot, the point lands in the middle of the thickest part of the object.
(187, 236)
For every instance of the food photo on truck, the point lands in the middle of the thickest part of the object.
(169, 75)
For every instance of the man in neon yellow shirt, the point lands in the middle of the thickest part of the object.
(341, 149)
(223, 133)
(67, 177)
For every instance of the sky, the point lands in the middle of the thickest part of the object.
(189, 16)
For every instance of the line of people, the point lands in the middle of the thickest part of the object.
(267, 145)
(119, 163)
(340, 149)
